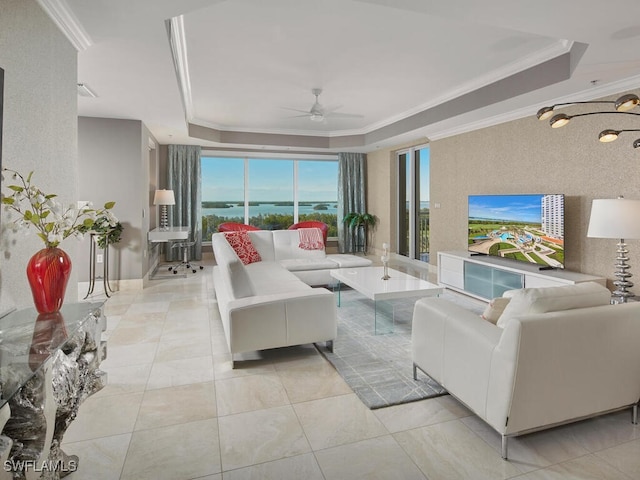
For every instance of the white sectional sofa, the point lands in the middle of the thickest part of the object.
(560, 354)
(271, 303)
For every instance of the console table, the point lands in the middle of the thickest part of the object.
(49, 364)
(486, 277)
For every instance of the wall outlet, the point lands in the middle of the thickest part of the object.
(99, 258)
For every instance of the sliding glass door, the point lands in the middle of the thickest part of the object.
(413, 203)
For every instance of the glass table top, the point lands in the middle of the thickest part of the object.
(28, 339)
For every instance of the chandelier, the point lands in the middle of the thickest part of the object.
(621, 106)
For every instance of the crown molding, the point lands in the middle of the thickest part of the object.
(586, 95)
(178, 44)
(62, 15)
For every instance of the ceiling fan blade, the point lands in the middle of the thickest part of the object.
(297, 110)
(299, 116)
(343, 115)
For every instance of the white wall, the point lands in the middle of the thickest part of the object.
(40, 127)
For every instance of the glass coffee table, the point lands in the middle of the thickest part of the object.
(368, 281)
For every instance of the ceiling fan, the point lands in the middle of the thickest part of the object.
(318, 113)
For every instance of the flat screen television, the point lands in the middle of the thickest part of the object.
(525, 228)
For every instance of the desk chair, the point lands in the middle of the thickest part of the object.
(185, 263)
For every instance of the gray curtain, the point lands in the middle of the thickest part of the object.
(351, 195)
(184, 178)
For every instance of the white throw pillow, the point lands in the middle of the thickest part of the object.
(553, 299)
(495, 308)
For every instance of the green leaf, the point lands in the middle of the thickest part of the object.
(45, 214)
(29, 177)
(43, 237)
(87, 223)
(8, 200)
(109, 205)
(35, 219)
(16, 188)
(27, 215)
(51, 195)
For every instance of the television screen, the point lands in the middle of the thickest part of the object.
(527, 228)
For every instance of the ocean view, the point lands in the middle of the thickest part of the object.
(270, 208)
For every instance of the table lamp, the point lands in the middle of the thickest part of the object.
(617, 218)
(164, 198)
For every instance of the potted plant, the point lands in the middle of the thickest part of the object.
(360, 221)
(48, 270)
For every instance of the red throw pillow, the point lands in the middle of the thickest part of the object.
(243, 246)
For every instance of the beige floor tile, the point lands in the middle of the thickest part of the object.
(378, 458)
(104, 416)
(176, 405)
(247, 393)
(417, 414)
(334, 421)
(142, 319)
(149, 307)
(135, 335)
(625, 457)
(304, 467)
(253, 392)
(177, 452)
(532, 451)
(127, 355)
(312, 380)
(188, 303)
(177, 349)
(604, 431)
(450, 450)
(99, 459)
(181, 372)
(260, 436)
(247, 365)
(128, 379)
(588, 467)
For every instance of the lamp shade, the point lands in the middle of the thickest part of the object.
(614, 218)
(164, 197)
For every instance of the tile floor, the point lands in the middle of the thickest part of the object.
(174, 409)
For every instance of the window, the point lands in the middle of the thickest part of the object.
(269, 193)
(413, 203)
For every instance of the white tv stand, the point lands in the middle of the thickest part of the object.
(486, 277)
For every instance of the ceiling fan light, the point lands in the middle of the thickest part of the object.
(627, 102)
(607, 136)
(544, 113)
(559, 120)
(316, 118)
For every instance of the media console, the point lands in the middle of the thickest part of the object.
(487, 277)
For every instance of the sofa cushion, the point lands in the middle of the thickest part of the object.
(304, 264)
(263, 241)
(345, 260)
(238, 279)
(286, 245)
(242, 245)
(553, 299)
(270, 277)
(495, 308)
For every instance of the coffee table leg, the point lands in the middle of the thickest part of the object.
(336, 288)
(384, 317)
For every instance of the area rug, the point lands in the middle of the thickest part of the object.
(378, 368)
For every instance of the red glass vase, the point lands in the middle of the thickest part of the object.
(48, 273)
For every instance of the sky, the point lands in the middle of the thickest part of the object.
(525, 208)
(269, 180)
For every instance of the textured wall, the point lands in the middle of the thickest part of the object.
(40, 132)
(527, 156)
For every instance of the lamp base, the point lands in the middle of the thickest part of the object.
(621, 294)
